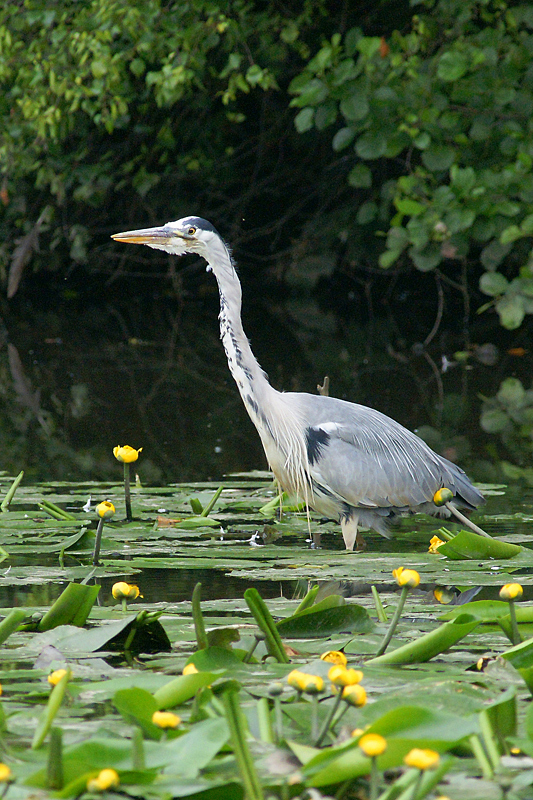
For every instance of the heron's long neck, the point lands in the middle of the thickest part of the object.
(249, 377)
(275, 418)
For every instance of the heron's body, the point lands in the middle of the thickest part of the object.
(346, 461)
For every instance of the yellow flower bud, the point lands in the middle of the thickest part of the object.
(406, 577)
(125, 591)
(189, 669)
(354, 694)
(335, 657)
(357, 732)
(126, 454)
(372, 744)
(107, 779)
(165, 719)
(5, 773)
(443, 496)
(340, 676)
(56, 676)
(422, 759)
(294, 679)
(511, 591)
(312, 684)
(434, 544)
(105, 510)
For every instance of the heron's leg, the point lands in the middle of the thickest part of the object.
(349, 531)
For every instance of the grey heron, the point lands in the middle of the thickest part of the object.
(346, 461)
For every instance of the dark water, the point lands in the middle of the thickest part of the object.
(133, 357)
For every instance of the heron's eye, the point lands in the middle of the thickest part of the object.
(191, 231)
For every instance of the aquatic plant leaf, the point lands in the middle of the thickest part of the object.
(319, 621)
(468, 545)
(72, 607)
(137, 706)
(182, 688)
(431, 644)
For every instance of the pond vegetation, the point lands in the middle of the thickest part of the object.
(212, 654)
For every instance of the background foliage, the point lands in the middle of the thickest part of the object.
(364, 160)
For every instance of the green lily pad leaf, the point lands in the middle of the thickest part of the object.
(182, 688)
(467, 545)
(431, 644)
(72, 607)
(222, 637)
(325, 619)
(139, 635)
(137, 706)
(489, 611)
(194, 750)
(215, 658)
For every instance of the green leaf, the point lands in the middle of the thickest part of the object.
(452, 65)
(432, 643)
(494, 420)
(343, 138)
(304, 120)
(511, 311)
(468, 545)
(319, 621)
(360, 176)
(372, 144)
(180, 689)
(493, 283)
(355, 106)
(137, 706)
(408, 206)
(511, 393)
(72, 607)
(438, 157)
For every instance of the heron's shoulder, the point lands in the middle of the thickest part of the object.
(319, 410)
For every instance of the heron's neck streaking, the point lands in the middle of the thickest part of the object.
(277, 422)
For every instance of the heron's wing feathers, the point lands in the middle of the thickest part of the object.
(380, 464)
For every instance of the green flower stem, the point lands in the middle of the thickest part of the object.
(314, 716)
(137, 750)
(52, 707)
(278, 719)
(374, 779)
(394, 621)
(265, 722)
(198, 618)
(517, 639)
(54, 766)
(209, 507)
(4, 505)
(127, 492)
(10, 624)
(482, 760)
(245, 762)
(264, 620)
(327, 724)
(489, 740)
(382, 616)
(308, 600)
(98, 542)
(258, 637)
(417, 784)
(466, 521)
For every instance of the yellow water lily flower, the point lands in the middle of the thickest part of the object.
(335, 657)
(443, 496)
(354, 694)
(406, 577)
(372, 744)
(189, 669)
(106, 779)
(294, 679)
(340, 676)
(105, 510)
(165, 719)
(126, 454)
(125, 591)
(56, 676)
(511, 591)
(434, 544)
(421, 759)
(313, 684)
(5, 773)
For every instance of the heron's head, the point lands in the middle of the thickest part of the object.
(187, 235)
